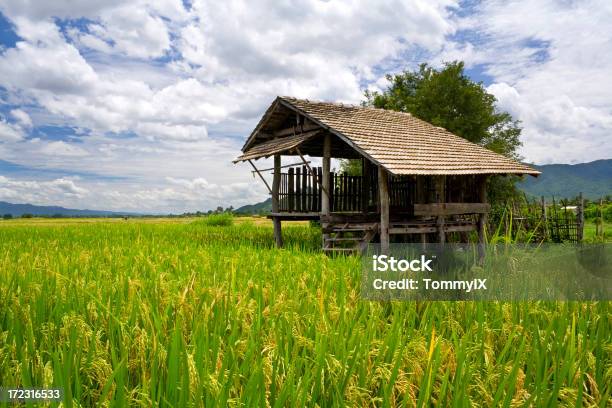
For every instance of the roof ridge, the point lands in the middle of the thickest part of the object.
(342, 104)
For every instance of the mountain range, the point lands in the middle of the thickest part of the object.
(593, 180)
(17, 210)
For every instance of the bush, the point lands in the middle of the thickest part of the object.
(592, 211)
(219, 220)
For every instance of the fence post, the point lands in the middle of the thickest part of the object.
(580, 218)
(599, 229)
(544, 219)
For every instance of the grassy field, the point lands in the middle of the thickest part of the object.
(178, 313)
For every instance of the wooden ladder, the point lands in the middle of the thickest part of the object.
(348, 237)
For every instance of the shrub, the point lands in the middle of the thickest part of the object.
(219, 220)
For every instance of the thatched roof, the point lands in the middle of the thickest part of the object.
(398, 141)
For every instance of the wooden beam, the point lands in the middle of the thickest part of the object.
(278, 237)
(282, 167)
(437, 209)
(383, 191)
(262, 178)
(296, 130)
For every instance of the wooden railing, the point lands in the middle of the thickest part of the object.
(300, 192)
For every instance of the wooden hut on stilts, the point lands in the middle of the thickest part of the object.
(418, 182)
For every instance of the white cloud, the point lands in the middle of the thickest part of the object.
(58, 191)
(22, 118)
(163, 95)
(550, 67)
(61, 148)
(9, 132)
(132, 31)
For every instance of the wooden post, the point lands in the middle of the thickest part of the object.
(325, 179)
(275, 202)
(580, 218)
(599, 225)
(482, 219)
(383, 193)
(365, 185)
(291, 190)
(420, 199)
(544, 219)
(440, 198)
(304, 189)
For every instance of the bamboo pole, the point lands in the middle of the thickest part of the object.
(260, 175)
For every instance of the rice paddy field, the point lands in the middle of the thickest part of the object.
(176, 312)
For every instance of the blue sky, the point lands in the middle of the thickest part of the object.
(142, 105)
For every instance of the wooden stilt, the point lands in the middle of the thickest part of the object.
(325, 182)
(383, 188)
(278, 237)
(440, 198)
(482, 219)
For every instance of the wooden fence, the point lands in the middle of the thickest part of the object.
(543, 221)
(300, 191)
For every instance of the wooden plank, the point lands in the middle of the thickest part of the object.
(383, 189)
(436, 209)
(304, 189)
(412, 230)
(298, 189)
(291, 191)
(315, 190)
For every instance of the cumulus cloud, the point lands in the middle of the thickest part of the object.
(9, 132)
(163, 92)
(61, 190)
(550, 68)
(61, 148)
(22, 118)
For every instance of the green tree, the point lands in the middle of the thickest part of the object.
(447, 97)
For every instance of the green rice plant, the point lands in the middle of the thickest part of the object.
(170, 314)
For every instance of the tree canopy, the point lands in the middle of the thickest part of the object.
(447, 97)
